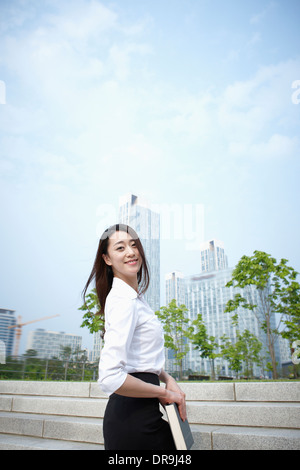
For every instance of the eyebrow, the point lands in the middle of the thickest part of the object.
(122, 241)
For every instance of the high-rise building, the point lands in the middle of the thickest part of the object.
(175, 287)
(175, 290)
(212, 256)
(207, 294)
(7, 318)
(97, 346)
(135, 212)
(49, 344)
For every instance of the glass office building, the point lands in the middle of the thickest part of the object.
(212, 256)
(135, 212)
(206, 294)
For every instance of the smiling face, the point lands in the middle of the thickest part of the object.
(124, 257)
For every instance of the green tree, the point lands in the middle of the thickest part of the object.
(250, 347)
(232, 353)
(206, 345)
(91, 319)
(175, 322)
(290, 310)
(273, 282)
(30, 353)
(66, 354)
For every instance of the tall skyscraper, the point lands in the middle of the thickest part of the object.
(212, 256)
(175, 287)
(135, 212)
(206, 294)
(7, 318)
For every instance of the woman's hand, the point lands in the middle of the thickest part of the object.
(174, 395)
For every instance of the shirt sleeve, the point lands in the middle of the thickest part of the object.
(120, 322)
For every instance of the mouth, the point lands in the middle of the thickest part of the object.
(132, 262)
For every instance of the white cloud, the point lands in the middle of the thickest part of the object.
(256, 112)
(82, 42)
(276, 147)
(255, 39)
(83, 20)
(69, 72)
(259, 17)
(79, 73)
(120, 58)
(189, 117)
(248, 119)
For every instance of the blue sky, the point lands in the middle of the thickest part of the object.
(185, 102)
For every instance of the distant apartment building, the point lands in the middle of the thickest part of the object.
(97, 346)
(49, 344)
(135, 212)
(7, 335)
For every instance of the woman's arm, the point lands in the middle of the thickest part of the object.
(173, 387)
(134, 387)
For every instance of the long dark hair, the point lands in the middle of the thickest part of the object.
(103, 274)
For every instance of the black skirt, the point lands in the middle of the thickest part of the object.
(136, 423)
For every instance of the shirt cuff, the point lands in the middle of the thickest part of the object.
(110, 383)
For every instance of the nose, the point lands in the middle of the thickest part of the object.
(130, 251)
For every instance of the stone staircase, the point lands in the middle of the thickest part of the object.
(69, 415)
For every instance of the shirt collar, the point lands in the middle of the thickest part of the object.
(123, 289)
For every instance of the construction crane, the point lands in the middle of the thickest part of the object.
(19, 326)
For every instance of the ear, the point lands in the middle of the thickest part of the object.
(107, 260)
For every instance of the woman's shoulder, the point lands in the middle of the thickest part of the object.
(120, 289)
(118, 299)
(119, 310)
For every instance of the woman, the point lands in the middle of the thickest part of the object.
(132, 359)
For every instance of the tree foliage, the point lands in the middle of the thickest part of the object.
(206, 345)
(91, 319)
(175, 322)
(244, 351)
(278, 293)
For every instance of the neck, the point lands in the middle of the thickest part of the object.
(132, 282)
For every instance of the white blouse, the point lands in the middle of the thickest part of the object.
(133, 340)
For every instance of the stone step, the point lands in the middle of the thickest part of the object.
(19, 431)
(45, 388)
(243, 391)
(14, 442)
(70, 406)
(240, 391)
(88, 430)
(248, 438)
(208, 437)
(277, 415)
(267, 391)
